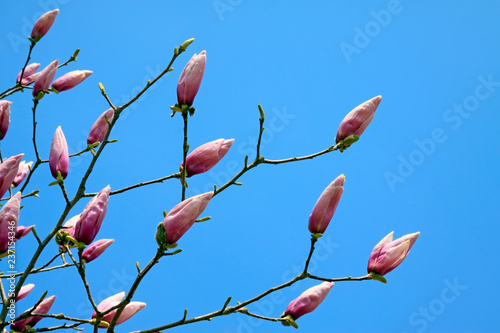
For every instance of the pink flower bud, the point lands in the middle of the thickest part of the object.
(8, 171)
(43, 24)
(70, 80)
(190, 80)
(22, 172)
(388, 254)
(326, 205)
(23, 231)
(89, 221)
(96, 249)
(29, 74)
(130, 309)
(100, 127)
(183, 216)
(4, 117)
(206, 156)
(59, 157)
(42, 308)
(45, 78)
(358, 119)
(308, 301)
(25, 290)
(9, 217)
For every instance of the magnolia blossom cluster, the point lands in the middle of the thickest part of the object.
(81, 230)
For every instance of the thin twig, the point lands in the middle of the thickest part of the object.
(128, 188)
(184, 155)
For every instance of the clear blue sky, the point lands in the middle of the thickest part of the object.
(428, 162)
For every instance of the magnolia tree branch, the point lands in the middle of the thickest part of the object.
(241, 307)
(79, 193)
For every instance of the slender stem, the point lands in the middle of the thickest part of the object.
(262, 317)
(131, 292)
(261, 121)
(184, 155)
(72, 155)
(32, 170)
(37, 270)
(35, 104)
(2, 293)
(81, 271)
(159, 180)
(60, 327)
(72, 58)
(150, 83)
(32, 45)
(51, 261)
(308, 157)
(103, 92)
(63, 189)
(349, 278)
(313, 241)
(63, 317)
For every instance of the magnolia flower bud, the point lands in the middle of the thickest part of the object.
(42, 308)
(96, 249)
(43, 24)
(8, 171)
(89, 221)
(358, 119)
(9, 217)
(206, 156)
(70, 80)
(183, 216)
(100, 127)
(22, 172)
(308, 301)
(29, 74)
(326, 205)
(130, 309)
(388, 254)
(190, 79)
(23, 231)
(59, 157)
(24, 291)
(4, 117)
(43, 81)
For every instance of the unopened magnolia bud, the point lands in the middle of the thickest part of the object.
(100, 127)
(357, 120)
(206, 156)
(9, 217)
(130, 309)
(190, 79)
(42, 308)
(22, 172)
(29, 74)
(96, 249)
(183, 216)
(43, 81)
(8, 171)
(43, 24)
(389, 254)
(4, 117)
(70, 80)
(89, 222)
(59, 157)
(326, 205)
(25, 290)
(308, 301)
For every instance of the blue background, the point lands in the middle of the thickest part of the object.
(422, 165)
